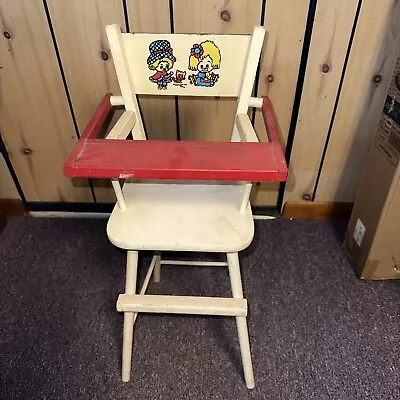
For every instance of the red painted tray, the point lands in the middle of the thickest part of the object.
(186, 160)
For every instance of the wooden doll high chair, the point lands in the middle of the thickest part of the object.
(181, 196)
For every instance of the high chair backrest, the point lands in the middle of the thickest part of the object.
(211, 65)
(186, 64)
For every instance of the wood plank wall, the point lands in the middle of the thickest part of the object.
(35, 118)
(320, 57)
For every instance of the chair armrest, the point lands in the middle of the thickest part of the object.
(123, 126)
(271, 126)
(91, 131)
(142, 159)
(97, 120)
(148, 159)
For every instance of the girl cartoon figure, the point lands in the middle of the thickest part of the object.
(161, 60)
(204, 57)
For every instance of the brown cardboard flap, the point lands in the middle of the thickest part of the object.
(381, 269)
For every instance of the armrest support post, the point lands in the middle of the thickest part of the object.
(123, 126)
(247, 134)
(118, 193)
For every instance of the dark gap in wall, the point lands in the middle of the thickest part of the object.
(172, 29)
(258, 72)
(4, 153)
(346, 60)
(171, 16)
(270, 211)
(53, 37)
(126, 16)
(178, 129)
(128, 30)
(299, 91)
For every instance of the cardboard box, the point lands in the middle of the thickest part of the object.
(373, 236)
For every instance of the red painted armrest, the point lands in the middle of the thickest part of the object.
(95, 124)
(142, 159)
(91, 131)
(271, 125)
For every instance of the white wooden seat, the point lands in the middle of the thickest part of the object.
(204, 204)
(184, 217)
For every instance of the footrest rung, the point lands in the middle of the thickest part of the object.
(195, 263)
(182, 305)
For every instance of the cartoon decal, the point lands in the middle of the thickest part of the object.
(204, 57)
(161, 59)
(179, 77)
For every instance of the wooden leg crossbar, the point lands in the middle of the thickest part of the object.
(130, 304)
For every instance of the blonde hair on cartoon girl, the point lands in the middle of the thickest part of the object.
(209, 49)
(155, 63)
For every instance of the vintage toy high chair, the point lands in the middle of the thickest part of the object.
(181, 196)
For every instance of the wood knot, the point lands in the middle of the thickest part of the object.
(270, 78)
(225, 15)
(104, 56)
(27, 151)
(7, 35)
(378, 78)
(307, 197)
(325, 68)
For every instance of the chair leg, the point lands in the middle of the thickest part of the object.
(237, 292)
(130, 288)
(157, 267)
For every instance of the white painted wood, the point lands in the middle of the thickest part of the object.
(245, 129)
(206, 216)
(245, 351)
(247, 134)
(157, 268)
(150, 271)
(146, 283)
(233, 56)
(118, 193)
(252, 57)
(256, 102)
(263, 217)
(123, 126)
(116, 100)
(243, 125)
(181, 216)
(234, 275)
(182, 305)
(237, 292)
(235, 134)
(130, 318)
(119, 55)
(195, 263)
(245, 204)
(130, 289)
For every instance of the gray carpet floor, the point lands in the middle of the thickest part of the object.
(316, 330)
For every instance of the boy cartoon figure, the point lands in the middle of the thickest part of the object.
(204, 57)
(161, 60)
